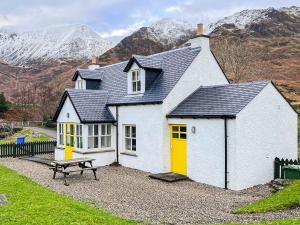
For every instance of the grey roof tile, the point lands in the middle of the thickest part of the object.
(218, 101)
(90, 74)
(90, 105)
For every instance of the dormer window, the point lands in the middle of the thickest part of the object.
(136, 81)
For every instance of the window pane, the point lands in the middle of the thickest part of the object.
(128, 144)
(175, 128)
(80, 142)
(183, 136)
(138, 88)
(108, 141)
(96, 130)
(133, 131)
(72, 141)
(175, 135)
(137, 75)
(127, 131)
(96, 142)
(61, 139)
(90, 127)
(133, 76)
(108, 129)
(103, 129)
(182, 129)
(134, 86)
(71, 129)
(133, 144)
(90, 142)
(103, 144)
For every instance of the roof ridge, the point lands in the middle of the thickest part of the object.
(236, 84)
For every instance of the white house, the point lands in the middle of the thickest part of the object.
(176, 112)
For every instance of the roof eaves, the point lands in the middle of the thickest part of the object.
(190, 116)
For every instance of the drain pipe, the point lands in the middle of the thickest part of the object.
(117, 134)
(226, 153)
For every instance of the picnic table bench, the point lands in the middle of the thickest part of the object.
(65, 167)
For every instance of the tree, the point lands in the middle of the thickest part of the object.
(3, 103)
(237, 58)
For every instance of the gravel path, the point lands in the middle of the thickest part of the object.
(131, 194)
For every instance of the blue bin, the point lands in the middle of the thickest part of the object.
(21, 140)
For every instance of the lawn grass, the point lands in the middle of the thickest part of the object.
(295, 221)
(288, 198)
(30, 203)
(30, 136)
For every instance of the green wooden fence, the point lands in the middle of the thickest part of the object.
(27, 149)
(279, 163)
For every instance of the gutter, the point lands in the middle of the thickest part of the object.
(226, 154)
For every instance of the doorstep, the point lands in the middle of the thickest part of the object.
(169, 177)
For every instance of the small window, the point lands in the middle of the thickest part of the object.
(105, 136)
(61, 133)
(79, 144)
(179, 131)
(93, 136)
(130, 138)
(136, 81)
(70, 135)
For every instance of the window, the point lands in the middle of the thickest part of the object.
(136, 81)
(130, 138)
(105, 136)
(80, 84)
(179, 131)
(79, 144)
(93, 136)
(61, 133)
(70, 135)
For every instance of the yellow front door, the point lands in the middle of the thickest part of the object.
(69, 137)
(178, 149)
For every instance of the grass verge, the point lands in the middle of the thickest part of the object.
(288, 198)
(30, 203)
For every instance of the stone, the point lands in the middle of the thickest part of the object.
(3, 199)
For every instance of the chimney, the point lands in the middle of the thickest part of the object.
(200, 29)
(201, 40)
(95, 63)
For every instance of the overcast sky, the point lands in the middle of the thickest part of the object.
(115, 19)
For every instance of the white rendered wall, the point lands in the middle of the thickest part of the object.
(265, 129)
(206, 149)
(68, 108)
(101, 158)
(149, 152)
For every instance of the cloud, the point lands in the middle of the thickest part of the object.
(121, 32)
(174, 9)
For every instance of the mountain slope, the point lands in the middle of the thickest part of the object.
(273, 37)
(160, 36)
(71, 42)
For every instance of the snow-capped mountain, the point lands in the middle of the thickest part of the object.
(253, 16)
(169, 31)
(163, 35)
(51, 43)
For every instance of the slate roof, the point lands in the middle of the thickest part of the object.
(144, 62)
(218, 101)
(114, 79)
(88, 74)
(90, 105)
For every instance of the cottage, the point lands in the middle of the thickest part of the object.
(176, 112)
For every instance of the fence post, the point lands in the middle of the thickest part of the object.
(276, 168)
(32, 148)
(14, 150)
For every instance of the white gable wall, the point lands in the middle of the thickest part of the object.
(266, 128)
(68, 108)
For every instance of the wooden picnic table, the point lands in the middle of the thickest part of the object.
(63, 166)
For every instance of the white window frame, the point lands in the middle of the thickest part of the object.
(105, 135)
(136, 82)
(130, 137)
(61, 134)
(79, 136)
(93, 136)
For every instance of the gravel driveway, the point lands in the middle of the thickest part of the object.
(131, 194)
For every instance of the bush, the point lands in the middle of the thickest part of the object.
(3, 103)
